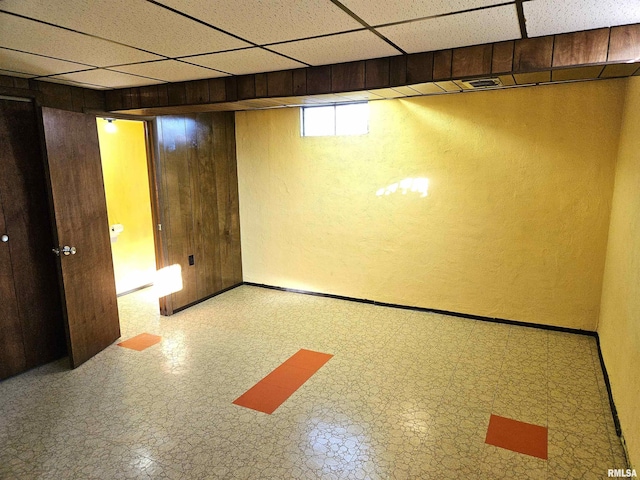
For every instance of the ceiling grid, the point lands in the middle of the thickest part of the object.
(106, 44)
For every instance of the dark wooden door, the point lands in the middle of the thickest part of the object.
(31, 321)
(12, 358)
(80, 217)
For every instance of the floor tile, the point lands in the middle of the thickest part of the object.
(141, 342)
(406, 395)
(517, 436)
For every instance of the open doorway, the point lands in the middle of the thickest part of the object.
(123, 150)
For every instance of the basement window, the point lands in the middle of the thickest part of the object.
(332, 120)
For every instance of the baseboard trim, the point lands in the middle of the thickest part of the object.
(142, 287)
(179, 309)
(430, 310)
(614, 412)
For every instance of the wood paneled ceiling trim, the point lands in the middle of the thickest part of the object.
(599, 53)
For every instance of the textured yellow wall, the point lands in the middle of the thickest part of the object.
(619, 326)
(514, 225)
(126, 183)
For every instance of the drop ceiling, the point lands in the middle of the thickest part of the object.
(105, 44)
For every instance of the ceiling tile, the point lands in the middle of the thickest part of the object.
(471, 28)
(73, 84)
(37, 65)
(344, 47)
(15, 74)
(378, 12)
(34, 37)
(169, 71)
(137, 23)
(240, 62)
(548, 17)
(270, 21)
(106, 78)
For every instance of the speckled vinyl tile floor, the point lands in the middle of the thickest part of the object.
(406, 395)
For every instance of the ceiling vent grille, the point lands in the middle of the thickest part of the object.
(483, 83)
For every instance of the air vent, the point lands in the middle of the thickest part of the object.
(483, 83)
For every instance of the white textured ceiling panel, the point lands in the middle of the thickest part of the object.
(74, 84)
(463, 29)
(241, 62)
(106, 78)
(379, 12)
(548, 17)
(137, 23)
(28, 63)
(15, 74)
(169, 71)
(269, 21)
(344, 47)
(34, 37)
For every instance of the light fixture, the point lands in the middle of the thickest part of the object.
(110, 127)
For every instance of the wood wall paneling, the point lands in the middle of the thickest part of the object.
(134, 97)
(176, 93)
(112, 100)
(163, 94)
(55, 95)
(7, 81)
(419, 68)
(149, 96)
(533, 54)
(377, 73)
(217, 89)
(472, 61)
(502, 57)
(300, 81)
(581, 48)
(624, 44)
(198, 195)
(246, 87)
(77, 99)
(261, 85)
(442, 65)
(529, 60)
(231, 89)
(197, 91)
(93, 99)
(398, 70)
(205, 207)
(319, 80)
(176, 203)
(280, 84)
(21, 83)
(229, 227)
(347, 77)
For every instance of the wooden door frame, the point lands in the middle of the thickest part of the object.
(151, 145)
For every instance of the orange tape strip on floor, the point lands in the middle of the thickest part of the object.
(517, 436)
(271, 392)
(140, 342)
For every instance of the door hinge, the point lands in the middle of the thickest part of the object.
(159, 227)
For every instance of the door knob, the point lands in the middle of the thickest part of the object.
(4, 238)
(66, 250)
